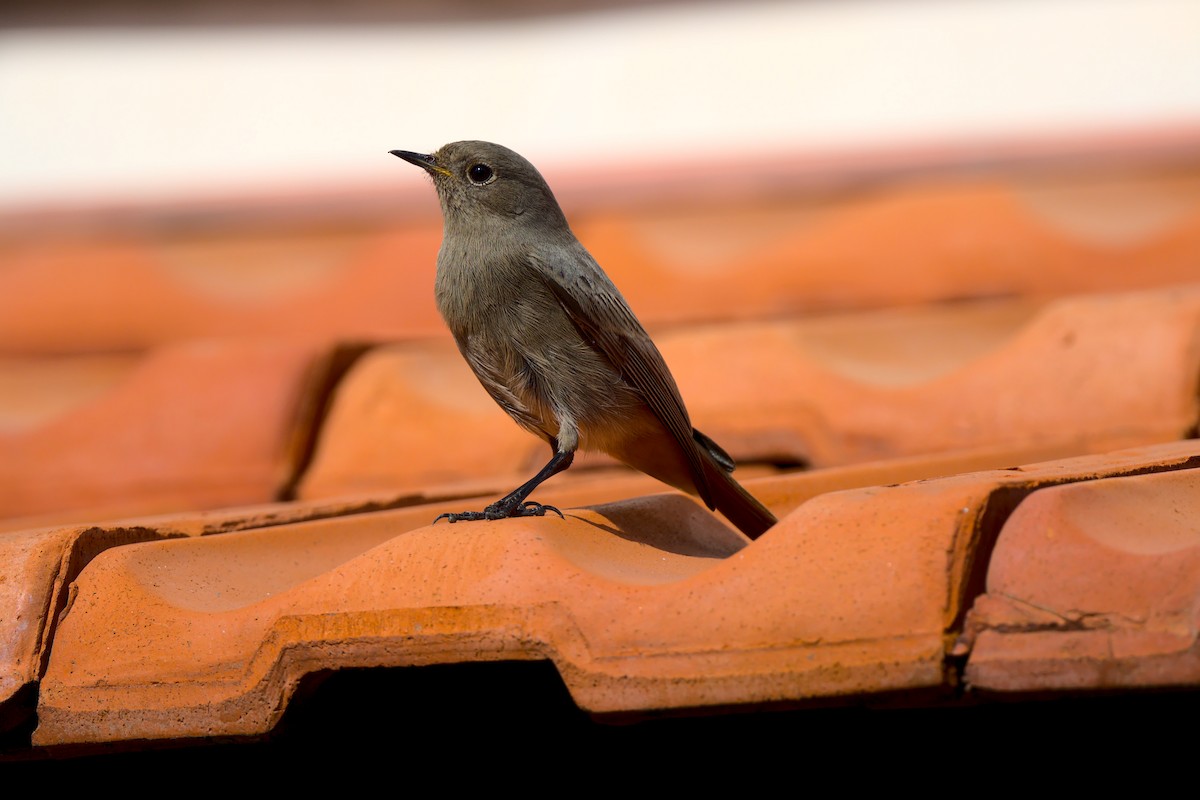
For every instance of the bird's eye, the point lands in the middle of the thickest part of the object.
(480, 174)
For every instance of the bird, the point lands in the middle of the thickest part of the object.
(553, 341)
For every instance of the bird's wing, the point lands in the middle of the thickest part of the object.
(606, 322)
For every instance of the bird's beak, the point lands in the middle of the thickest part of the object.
(423, 161)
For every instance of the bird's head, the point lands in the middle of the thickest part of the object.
(486, 183)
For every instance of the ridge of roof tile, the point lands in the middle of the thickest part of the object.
(855, 592)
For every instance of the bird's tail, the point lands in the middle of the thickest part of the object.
(727, 495)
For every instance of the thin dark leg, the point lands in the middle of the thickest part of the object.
(513, 504)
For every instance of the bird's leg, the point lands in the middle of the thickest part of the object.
(513, 504)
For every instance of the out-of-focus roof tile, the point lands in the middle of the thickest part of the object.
(161, 286)
(1089, 374)
(370, 275)
(189, 426)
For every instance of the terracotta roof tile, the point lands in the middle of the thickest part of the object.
(1093, 586)
(643, 605)
(172, 275)
(908, 342)
(1084, 374)
(191, 426)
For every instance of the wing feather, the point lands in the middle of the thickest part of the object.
(605, 320)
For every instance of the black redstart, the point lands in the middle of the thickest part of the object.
(552, 340)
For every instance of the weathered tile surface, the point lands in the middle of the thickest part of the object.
(38, 566)
(1093, 586)
(643, 605)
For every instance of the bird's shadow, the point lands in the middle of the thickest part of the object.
(670, 522)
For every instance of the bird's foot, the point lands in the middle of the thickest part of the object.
(463, 516)
(532, 509)
(500, 510)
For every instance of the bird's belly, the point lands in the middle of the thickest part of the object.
(547, 378)
(579, 387)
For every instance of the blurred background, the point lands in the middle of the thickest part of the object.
(201, 229)
(131, 100)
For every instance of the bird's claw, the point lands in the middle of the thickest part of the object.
(496, 511)
(532, 509)
(456, 516)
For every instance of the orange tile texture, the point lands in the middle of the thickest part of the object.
(223, 438)
(1093, 586)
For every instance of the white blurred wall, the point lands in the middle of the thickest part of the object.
(102, 114)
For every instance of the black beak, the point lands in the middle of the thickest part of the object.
(423, 161)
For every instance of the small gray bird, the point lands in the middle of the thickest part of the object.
(552, 340)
